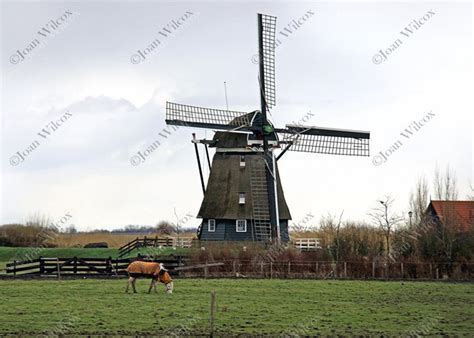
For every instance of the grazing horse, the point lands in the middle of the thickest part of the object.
(155, 271)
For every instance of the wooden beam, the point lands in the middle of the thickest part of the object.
(199, 266)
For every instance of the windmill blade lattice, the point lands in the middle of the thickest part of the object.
(326, 140)
(193, 116)
(268, 58)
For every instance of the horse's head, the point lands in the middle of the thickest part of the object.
(165, 278)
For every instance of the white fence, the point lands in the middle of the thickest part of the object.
(307, 244)
(182, 242)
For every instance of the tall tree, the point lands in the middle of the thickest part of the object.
(447, 229)
(419, 199)
(384, 217)
(470, 196)
(445, 185)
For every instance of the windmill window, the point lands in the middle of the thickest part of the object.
(241, 225)
(211, 225)
(241, 198)
(242, 161)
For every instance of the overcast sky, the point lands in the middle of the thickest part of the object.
(87, 70)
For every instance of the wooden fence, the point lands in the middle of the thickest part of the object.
(107, 267)
(75, 266)
(307, 244)
(340, 270)
(154, 242)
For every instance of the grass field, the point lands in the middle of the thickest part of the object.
(291, 307)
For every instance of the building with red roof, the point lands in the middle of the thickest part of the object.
(457, 214)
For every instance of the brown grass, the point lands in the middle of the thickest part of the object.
(112, 239)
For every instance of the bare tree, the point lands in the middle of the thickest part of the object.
(445, 186)
(419, 200)
(338, 228)
(470, 196)
(164, 228)
(177, 226)
(384, 217)
(328, 222)
(448, 228)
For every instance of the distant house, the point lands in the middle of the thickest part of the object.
(458, 214)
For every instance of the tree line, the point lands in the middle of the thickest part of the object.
(392, 237)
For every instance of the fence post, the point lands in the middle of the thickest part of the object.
(345, 269)
(75, 265)
(234, 268)
(14, 268)
(437, 273)
(261, 269)
(401, 268)
(213, 312)
(373, 269)
(57, 266)
(206, 271)
(271, 269)
(109, 265)
(289, 268)
(41, 265)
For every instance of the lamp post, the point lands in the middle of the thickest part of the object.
(387, 230)
(410, 214)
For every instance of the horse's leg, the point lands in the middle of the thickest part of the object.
(133, 285)
(169, 287)
(128, 284)
(154, 285)
(151, 285)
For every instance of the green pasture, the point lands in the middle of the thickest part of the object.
(244, 307)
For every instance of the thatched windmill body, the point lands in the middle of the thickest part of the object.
(244, 199)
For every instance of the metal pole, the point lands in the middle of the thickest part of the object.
(207, 155)
(284, 151)
(199, 164)
(226, 101)
(277, 216)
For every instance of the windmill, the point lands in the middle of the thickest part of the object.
(244, 199)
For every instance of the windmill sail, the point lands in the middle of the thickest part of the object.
(325, 140)
(267, 29)
(193, 116)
